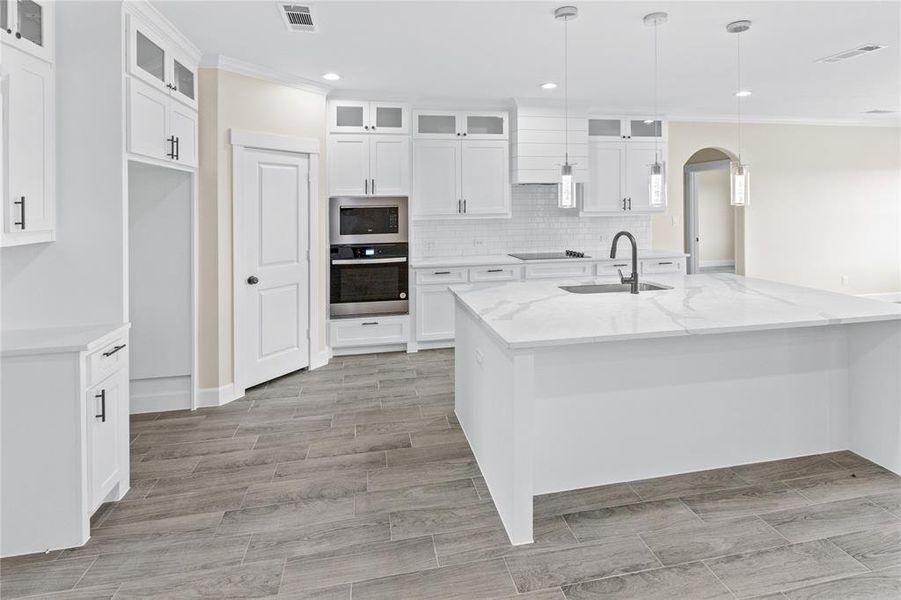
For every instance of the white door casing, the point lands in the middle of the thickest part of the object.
(274, 257)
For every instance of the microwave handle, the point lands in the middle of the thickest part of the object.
(368, 261)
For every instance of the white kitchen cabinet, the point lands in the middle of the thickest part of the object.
(361, 116)
(637, 129)
(104, 403)
(460, 179)
(27, 25)
(441, 124)
(437, 171)
(28, 148)
(618, 177)
(159, 62)
(434, 313)
(486, 178)
(369, 165)
(160, 127)
(389, 165)
(64, 450)
(347, 335)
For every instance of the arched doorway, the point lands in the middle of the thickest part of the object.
(714, 229)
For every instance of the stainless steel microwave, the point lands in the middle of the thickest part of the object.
(362, 220)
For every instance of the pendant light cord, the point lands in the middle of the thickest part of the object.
(738, 95)
(566, 90)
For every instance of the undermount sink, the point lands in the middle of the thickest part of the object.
(609, 288)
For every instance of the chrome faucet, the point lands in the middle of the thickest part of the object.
(633, 280)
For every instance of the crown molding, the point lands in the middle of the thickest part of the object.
(780, 120)
(234, 65)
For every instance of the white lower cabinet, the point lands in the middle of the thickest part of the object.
(159, 126)
(104, 403)
(434, 313)
(561, 270)
(64, 444)
(348, 335)
(663, 265)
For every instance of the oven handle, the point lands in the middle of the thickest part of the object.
(368, 261)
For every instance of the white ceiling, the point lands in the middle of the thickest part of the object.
(491, 52)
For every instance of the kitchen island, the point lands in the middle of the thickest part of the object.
(558, 391)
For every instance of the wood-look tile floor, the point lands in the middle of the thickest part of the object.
(355, 481)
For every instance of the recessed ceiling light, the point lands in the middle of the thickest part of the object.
(331, 76)
(648, 121)
(743, 93)
(548, 85)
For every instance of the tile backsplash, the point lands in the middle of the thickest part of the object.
(537, 225)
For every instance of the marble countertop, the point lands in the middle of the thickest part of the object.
(531, 314)
(53, 340)
(594, 255)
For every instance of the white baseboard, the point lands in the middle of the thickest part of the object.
(207, 397)
(708, 264)
(321, 358)
(159, 394)
(351, 350)
(885, 296)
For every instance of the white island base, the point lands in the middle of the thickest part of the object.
(546, 416)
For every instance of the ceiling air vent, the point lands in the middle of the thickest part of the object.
(297, 17)
(852, 53)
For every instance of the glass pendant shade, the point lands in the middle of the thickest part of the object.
(657, 184)
(741, 184)
(566, 189)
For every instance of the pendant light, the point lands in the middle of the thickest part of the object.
(657, 169)
(740, 175)
(566, 189)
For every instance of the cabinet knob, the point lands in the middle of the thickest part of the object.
(464, 134)
(18, 36)
(458, 134)
(253, 280)
(366, 127)
(8, 30)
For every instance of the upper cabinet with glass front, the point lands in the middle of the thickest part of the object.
(362, 116)
(642, 129)
(473, 125)
(28, 26)
(159, 62)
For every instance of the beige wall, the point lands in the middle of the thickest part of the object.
(825, 201)
(716, 223)
(227, 101)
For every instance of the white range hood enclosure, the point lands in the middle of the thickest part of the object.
(537, 142)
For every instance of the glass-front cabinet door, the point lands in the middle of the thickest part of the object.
(348, 116)
(612, 128)
(437, 124)
(645, 129)
(148, 57)
(389, 117)
(485, 126)
(184, 82)
(27, 24)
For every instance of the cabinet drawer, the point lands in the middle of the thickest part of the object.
(610, 268)
(368, 332)
(439, 275)
(108, 359)
(663, 265)
(556, 270)
(495, 274)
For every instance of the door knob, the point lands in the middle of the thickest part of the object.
(253, 280)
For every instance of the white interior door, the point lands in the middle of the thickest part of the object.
(275, 278)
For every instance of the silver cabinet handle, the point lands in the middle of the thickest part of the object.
(459, 206)
(441, 273)
(373, 183)
(495, 270)
(665, 263)
(464, 199)
(366, 186)
(368, 261)
(113, 351)
(630, 203)
(371, 323)
(21, 221)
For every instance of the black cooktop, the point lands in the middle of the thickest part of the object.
(549, 255)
